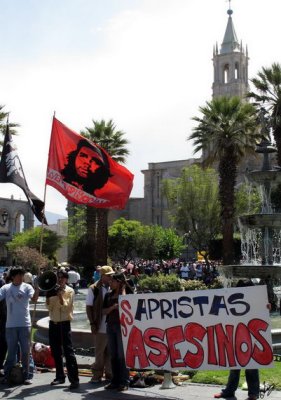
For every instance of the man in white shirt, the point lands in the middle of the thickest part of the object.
(184, 270)
(73, 278)
(28, 278)
(18, 325)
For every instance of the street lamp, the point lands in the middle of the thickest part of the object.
(4, 216)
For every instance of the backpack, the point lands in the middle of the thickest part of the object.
(15, 376)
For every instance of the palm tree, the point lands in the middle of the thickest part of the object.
(3, 122)
(226, 131)
(267, 95)
(113, 141)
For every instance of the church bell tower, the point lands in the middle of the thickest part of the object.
(230, 64)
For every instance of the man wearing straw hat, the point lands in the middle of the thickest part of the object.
(94, 307)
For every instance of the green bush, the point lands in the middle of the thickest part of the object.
(160, 283)
(171, 283)
(216, 284)
(193, 285)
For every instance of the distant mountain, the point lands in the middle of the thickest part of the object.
(51, 218)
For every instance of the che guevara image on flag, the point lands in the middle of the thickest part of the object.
(84, 172)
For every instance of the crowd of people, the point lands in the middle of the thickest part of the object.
(103, 314)
(187, 270)
(18, 287)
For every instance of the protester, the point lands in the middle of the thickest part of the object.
(120, 373)
(28, 278)
(94, 308)
(60, 306)
(97, 275)
(252, 378)
(3, 319)
(18, 326)
(184, 270)
(252, 375)
(73, 278)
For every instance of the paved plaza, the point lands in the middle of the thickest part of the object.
(41, 390)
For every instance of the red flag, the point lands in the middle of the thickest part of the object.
(83, 171)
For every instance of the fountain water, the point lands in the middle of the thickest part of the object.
(261, 232)
(261, 237)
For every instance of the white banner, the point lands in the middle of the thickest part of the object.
(201, 329)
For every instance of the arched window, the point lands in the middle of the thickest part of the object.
(236, 71)
(19, 223)
(158, 182)
(226, 73)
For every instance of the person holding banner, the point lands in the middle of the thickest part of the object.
(120, 373)
(253, 383)
(94, 310)
(252, 375)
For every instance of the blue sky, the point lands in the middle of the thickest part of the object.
(147, 64)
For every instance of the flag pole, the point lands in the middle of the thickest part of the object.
(44, 199)
(40, 248)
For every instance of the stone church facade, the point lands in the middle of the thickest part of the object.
(15, 216)
(230, 66)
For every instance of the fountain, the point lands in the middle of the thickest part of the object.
(81, 333)
(261, 234)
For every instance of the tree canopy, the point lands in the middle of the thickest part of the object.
(3, 123)
(32, 237)
(95, 239)
(30, 258)
(267, 96)
(129, 239)
(226, 131)
(194, 207)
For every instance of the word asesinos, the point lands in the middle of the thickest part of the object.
(192, 344)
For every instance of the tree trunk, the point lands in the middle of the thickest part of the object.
(277, 137)
(91, 235)
(227, 172)
(102, 236)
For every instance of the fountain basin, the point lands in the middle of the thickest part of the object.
(81, 338)
(251, 271)
(261, 220)
(272, 175)
(276, 340)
